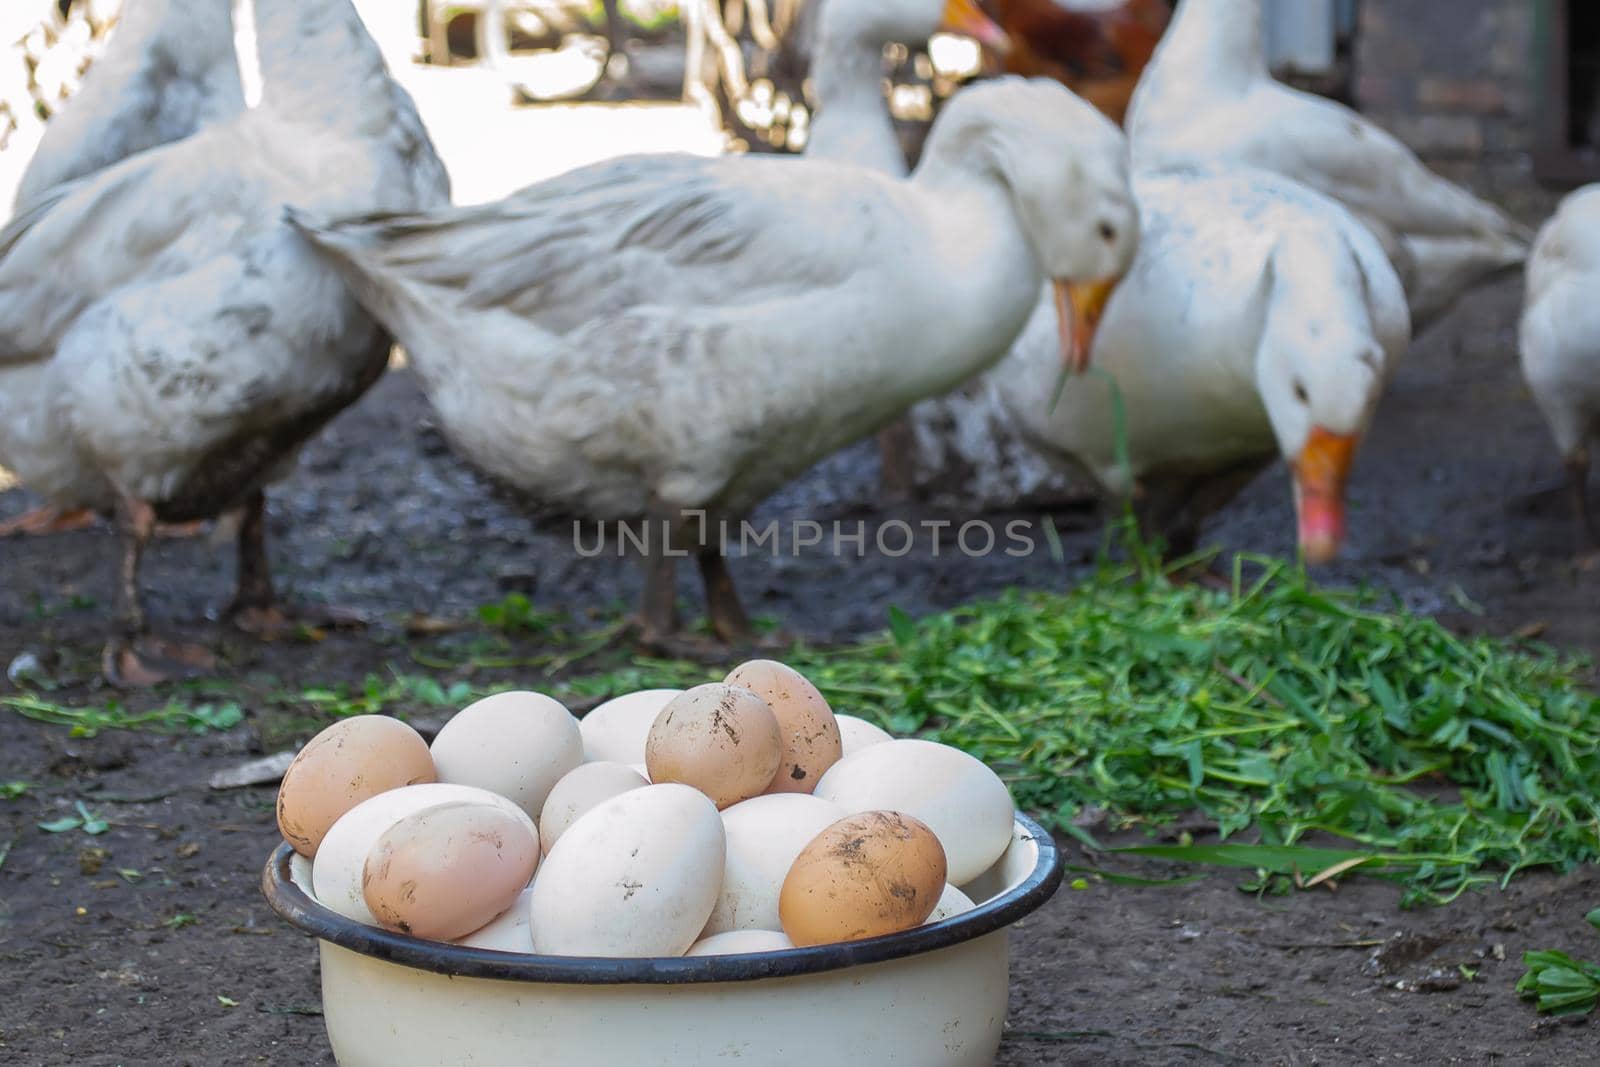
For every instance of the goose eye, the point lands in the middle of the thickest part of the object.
(1108, 232)
(1300, 392)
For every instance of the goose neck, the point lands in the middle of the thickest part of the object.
(1215, 39)
(193, 34)
(317, 59)
(852, 112)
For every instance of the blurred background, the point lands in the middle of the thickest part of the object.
(1499, 94)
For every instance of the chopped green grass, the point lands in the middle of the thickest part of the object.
(378, 695)
(1276, 709)
(174, 716)
(1559, 984)
(84, 820)
(1322, 733)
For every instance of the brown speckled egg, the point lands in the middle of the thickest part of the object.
(811, 741)
(869, 874)
(720, 739)
(350, 761)
(442, 873)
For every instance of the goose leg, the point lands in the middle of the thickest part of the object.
(53, 519)
(1175, 510)
(255, 602)
(133, 658)
(255, 608)
(658, 603)
(1578, 476)
(50, 519)
(616, 33)
(728, 619)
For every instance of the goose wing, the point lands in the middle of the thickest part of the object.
(1340, 153)
(153, 215)
(647, 231)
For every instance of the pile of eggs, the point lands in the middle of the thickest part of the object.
(741, 816)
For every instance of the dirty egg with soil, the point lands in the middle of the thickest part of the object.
(339, 870)
(964, 802)
(447, 871)
(347, 763)
(723, 740)
(766, 834)
(701, 848)
(869, 874)
(811, 741)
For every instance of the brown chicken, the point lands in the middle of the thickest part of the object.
(1098, 54)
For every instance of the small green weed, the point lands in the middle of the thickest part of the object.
(1559, 984)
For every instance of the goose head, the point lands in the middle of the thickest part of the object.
(1320, 372)
(1064, 166)
(874, 23)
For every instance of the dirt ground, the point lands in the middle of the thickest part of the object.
(150, 943)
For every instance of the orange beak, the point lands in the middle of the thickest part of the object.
(1320, 474)
(966, 18)
(1079, 306)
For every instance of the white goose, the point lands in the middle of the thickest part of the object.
(167, 341)
(964, 436)
(169, 69)
(1208, 96)
(657, 336)
(1560, 337)
(1258, 319)
(853, 124)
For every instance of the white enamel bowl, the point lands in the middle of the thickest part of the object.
(930, 997)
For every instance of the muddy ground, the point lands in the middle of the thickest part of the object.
(150, 943)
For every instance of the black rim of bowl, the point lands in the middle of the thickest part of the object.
(304, 913)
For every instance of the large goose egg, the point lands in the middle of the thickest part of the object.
(963, 801)
(637, 875)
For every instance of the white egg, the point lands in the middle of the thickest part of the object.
(765, 835)
(965, 803)
(516, 744)
(735, 942)
(584, 786)
(859, 733)
(336, 873)
(641, 770)
(637, 875)
(616, 730)
(508, 933)
(952, 902)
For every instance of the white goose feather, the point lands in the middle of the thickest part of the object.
(660, 335)
(852, 124)
(962, 444)
(1255, 310)
(165, 336)
(671, 333)
(169, 69)
(1208, 96)
(1560, 334)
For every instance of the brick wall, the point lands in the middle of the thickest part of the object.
(1455, 79)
